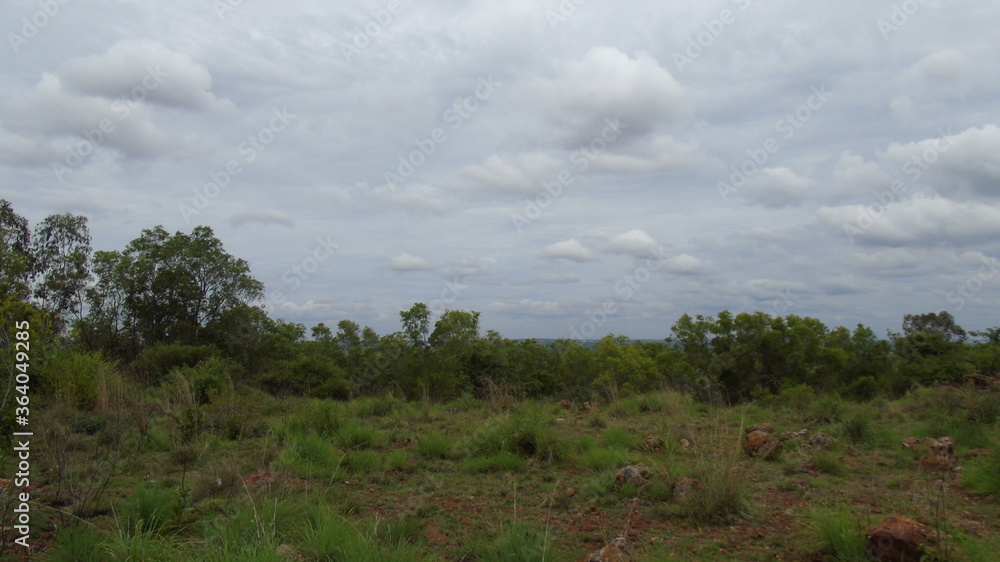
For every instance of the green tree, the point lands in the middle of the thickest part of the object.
(61, 248)
(16, 261)
(934, 323)
(168, 288)
(416, 324)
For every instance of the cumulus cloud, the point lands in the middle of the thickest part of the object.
(778, 187)
(570, 249)
(405, 262)
(636, 243)
(607, 83)
(145, 71)
(919, 221)
(685, 264)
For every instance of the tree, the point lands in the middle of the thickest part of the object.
(416, 324)
(934, 323)
(168, 288)
(455, 328)
(61, 249)
(16, 261)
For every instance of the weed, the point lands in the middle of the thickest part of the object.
(516, 542)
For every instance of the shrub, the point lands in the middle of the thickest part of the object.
(798, 397)
(160, 359)
(828, 462)
(598, 458)
(81, 380)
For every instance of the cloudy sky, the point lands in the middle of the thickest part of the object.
(567, 168)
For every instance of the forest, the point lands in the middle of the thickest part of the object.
(148, 362)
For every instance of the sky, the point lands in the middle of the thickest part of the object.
(567, 168)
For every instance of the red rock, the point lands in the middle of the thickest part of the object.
(653, 443)
(565, 405)
(763, 444)
(594, 407)
(940, 455)
(900, 539)
(684, 486)
(821, 441)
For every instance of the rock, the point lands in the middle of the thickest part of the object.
(765, 427)
(287, 553)
(978, 382)
(761, 442)
(900, 539)
(940, 455)
(566, 405)
(821, 441)
(617, 551)
(653, 443)
(434, 536)
(637, 474)
(685, 444)
(589, 407)
(793, 434)
(911, 443)
(684, 486)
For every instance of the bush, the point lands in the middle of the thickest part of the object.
(156, 361)
(81, 380)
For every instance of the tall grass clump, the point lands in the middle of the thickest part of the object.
(328, 536)
(725, 496)
(81, 543)
(839, 535)
(526, 432)
(516, 542)
(984, 477)
(310, 456)
(435, 445)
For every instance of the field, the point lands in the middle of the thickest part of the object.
(246, 476)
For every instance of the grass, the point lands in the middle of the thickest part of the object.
(380, 479)
(840, 535)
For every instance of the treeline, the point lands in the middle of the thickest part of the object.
(178, 305)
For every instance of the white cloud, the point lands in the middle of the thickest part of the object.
(406, 262)
(636, 243)
(570, 249)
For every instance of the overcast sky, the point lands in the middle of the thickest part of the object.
(568, 169)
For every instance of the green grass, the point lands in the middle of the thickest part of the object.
(984, 476)
(620, 437)
(839, 535)
(516, 542)
(526, 432)
(599, 458)
(435, 445)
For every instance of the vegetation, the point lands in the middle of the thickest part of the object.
(174, 419)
